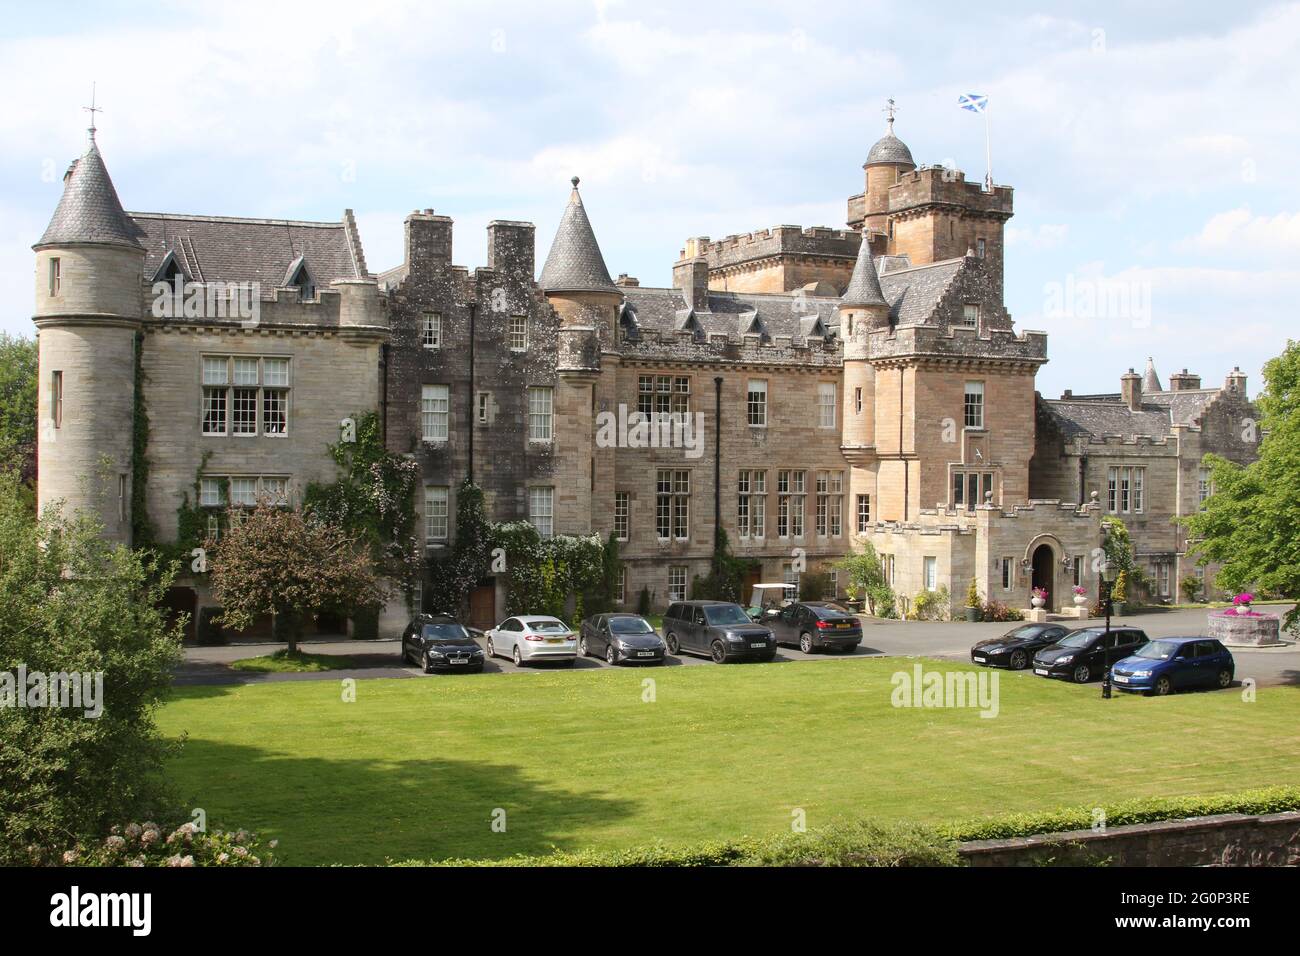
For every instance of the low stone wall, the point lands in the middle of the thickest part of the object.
(1245, 630)
(1227, 839)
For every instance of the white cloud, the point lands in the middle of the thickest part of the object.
(1239, 232)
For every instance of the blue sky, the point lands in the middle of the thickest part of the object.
(1152, 151)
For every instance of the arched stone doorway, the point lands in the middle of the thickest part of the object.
(1044, 574)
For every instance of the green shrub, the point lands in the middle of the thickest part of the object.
(932, 605)
(365, 624)
(145, 845)
(856, 843)
(1191, 588)
(997, 611)
(973, 594)
(814, 585)
(643, 602)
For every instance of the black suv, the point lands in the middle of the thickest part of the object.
(1085, 653)
(719, 629)
(438, 642)
(815, 625)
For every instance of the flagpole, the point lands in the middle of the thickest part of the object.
(988, 150)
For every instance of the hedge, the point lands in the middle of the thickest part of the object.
(870, 843)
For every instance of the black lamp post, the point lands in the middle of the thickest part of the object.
(1108, 576)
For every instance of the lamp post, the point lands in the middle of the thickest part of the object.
(1108, 576)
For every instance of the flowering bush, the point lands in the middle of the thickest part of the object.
(1079, 589)
(1245, 598)
(997, 611)
(144, 844)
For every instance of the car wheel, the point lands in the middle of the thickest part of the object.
(425, 663)
(1163, 687)
(518, 657)
(719, 652)
(671, 641)
(1081, 674)
(1225, 677)
(806, 642)
(490, 648)
(582, 647)
(611, 655)
(1019, 660)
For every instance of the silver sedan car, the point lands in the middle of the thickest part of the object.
(533, 637)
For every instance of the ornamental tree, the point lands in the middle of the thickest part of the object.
(1251, 522)
(280, 562)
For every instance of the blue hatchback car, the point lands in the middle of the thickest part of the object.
(1175, 663)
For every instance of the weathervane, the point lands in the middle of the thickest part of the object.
(92, 109)
(889, 111)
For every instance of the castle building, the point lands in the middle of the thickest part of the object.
(803, 389)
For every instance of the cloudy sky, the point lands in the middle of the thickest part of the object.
(1153, 153)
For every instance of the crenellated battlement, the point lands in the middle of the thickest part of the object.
(930, 185)
(913, 341)
(776, 241)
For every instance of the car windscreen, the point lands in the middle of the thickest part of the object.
(829, 610)
(1157, 650)
(1078, 639)
(630, 625)
(444, 632)
(547, 627)
(726, 614)
(1029, 630)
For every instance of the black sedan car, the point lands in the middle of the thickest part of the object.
(1017, 647)
(621, 639)
(1084, 654)
(438, 642)
(814, 626)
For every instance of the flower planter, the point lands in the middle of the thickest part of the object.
(1245, 630)
(973, 614)
(1080, 600)
(1037, 602)
(1116, 608)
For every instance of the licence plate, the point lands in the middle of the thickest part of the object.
(1120, 679)
(645, 653)
(759, 644)
(978, 660)
(459, 660)
(844, 627)
(1041, 670)
(555, 640)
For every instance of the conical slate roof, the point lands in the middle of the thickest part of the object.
(1150, 380)
(864, 286)
(574, 263)
(89, 210)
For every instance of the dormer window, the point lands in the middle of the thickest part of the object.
(168, 269)
(298, 275)
(970, 315)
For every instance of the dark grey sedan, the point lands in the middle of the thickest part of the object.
(815, 625)
(621, 639)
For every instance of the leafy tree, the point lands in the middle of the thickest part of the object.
(452, 577)
(867, 575)
(18, 404)
(281, 562)
(1251, 522)
(71, 603)
(726, 577)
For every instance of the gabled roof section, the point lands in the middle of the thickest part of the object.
(811, 325)
(574, 263)
(89, 210)
(750, 323)
(914, 293)
(1097, 418)
(169, 268)
(229, 249)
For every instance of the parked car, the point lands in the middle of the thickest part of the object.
(1017, 647)
(815, 625)
(720, 629)
(621, 638)
(534, 637)
(1084, 653)
(439, 642)
(1175, 663)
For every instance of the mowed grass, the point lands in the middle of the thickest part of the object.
(416, 768)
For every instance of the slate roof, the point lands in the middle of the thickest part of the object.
(574, 263)
(1095, 419)
(864, 286)
(89, 210)
(229, 249)
(890, 149)
(914, 293)
(1185, 406)
(732, 313)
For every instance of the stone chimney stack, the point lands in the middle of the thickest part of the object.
(1130, 389)
(692, 277)
(1184, 381)
(1236, 381)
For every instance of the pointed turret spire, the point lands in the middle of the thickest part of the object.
(1150, 380)
(864, 286)
(89, 210)
(574, 263)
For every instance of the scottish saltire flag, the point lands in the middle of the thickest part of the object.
(975, 102)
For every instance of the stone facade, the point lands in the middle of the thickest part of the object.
(852, 386)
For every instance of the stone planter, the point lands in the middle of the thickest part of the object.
(1037, 602)
(1081, 600)
(1245, 630)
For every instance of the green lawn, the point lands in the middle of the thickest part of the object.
(415, 768)
(283, 662)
